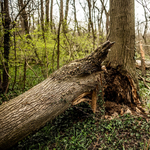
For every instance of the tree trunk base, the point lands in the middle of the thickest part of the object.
(119, 94)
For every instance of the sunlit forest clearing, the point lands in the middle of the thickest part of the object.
(74, 75)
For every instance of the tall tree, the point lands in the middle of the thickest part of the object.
(58, 34)
(47, 12)
(6, 25)
(121, 57)
(51, 15)
(42, 16)
(91, 22)
(107, 17)
(38, 21)
(75, 19)
(44, 37)
(99, 23)
(122, 31)
(66, 16)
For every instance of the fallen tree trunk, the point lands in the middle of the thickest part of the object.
(31, 110)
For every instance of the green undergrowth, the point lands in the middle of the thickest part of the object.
(145, 92)
(19, 88)
(78, 129)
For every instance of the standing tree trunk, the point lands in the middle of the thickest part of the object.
(44, 38)
(42, 18)
(58, 34)
(38, 21)
(143, 65)
(33, 17)
(15, 56)
(99, 23)
(47, 13)
(122, 21)
(107, 19)
(75, 19)
(91, 23)
(6, 25)
(51, 16)
(121, 58)
(65, 26)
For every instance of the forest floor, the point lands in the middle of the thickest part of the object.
(79, 129)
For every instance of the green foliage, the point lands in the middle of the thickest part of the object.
(40, 55)
(145, 93)
(75, 130)
(101, 103)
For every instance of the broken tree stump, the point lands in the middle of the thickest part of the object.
(31, 110)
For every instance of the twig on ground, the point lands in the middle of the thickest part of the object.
(144, 81)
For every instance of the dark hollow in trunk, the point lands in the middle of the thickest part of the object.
(119, 88)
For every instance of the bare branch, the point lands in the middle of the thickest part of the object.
(141, 3)
(14, 24)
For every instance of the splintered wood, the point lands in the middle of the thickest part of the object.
(94, 100)
(134, 91)
(81, 98)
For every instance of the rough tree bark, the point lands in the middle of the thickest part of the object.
(75, 19)
(47, 12)
(65, 25)
(31, 110)
(51, 16)
(121, 57)
(91, 22)
(58, 33)
(6, 24)
(122, 31)
(42, 18)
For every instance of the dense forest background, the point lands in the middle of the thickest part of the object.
(38, 37)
